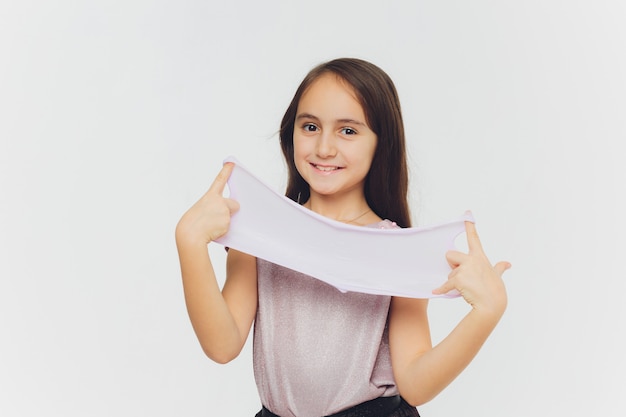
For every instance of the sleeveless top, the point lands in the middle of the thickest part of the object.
(316, 350)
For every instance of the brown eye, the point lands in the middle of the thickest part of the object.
(348, 131)
(309, 127)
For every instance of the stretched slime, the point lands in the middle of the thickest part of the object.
(375, 259)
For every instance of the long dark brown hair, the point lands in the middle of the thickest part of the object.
(386, 184)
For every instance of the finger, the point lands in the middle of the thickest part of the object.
(233, 206)
(455, 258)
(222, 179)
(473, 241)
(445, 288)
(500, 267)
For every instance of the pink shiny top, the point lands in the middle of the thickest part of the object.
(317, 350)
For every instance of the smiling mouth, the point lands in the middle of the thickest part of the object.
(325, 168)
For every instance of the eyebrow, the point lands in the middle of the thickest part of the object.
(310, 116)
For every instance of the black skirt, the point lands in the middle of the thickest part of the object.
(380, 407)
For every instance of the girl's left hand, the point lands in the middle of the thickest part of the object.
(474, 277)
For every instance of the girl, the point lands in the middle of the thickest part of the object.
(317, 351)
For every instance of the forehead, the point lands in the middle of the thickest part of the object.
(330, 93)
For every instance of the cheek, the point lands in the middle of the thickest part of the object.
(299, 153)
(372, 151)
(298, 145)
(370, 158)
(297, 156)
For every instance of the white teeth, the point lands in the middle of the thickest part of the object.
(325, 169)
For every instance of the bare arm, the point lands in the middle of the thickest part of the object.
(422, 371)
(221, 319)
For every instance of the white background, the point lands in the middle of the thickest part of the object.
(115, 117)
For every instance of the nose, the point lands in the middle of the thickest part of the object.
(326, 145)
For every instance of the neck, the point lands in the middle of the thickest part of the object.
(346, 210)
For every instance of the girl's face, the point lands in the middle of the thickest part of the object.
(333, 146)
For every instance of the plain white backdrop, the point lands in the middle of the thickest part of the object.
(115, 117)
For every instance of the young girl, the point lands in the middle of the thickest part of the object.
(317, 351)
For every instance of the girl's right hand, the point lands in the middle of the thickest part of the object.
(209, 218)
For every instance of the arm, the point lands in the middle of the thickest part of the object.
(422, 371)
(220, 319)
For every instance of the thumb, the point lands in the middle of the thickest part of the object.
(500, 267)
(233, 205)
